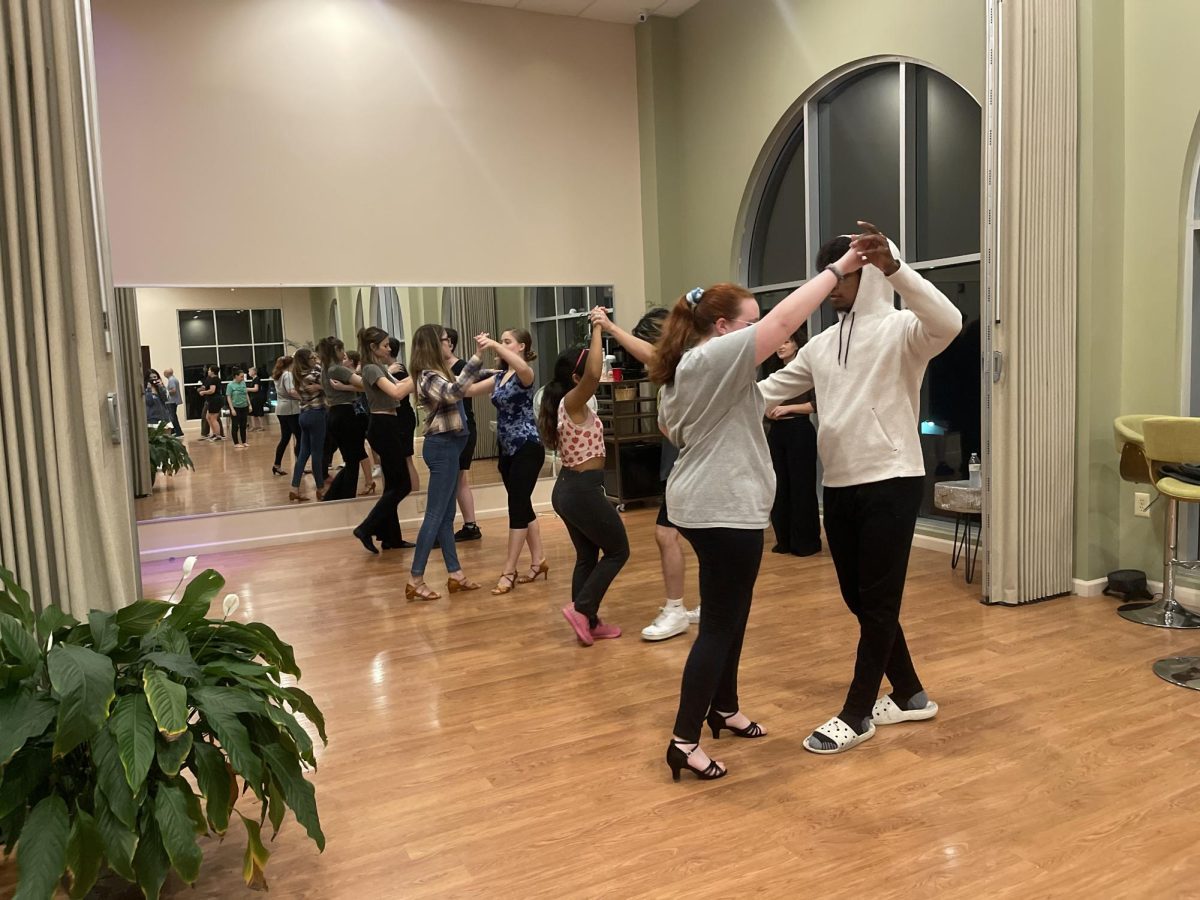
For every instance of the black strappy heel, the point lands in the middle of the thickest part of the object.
(716, 722)
(678, 761)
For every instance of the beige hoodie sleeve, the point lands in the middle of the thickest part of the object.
(937, 322)
(791, 381)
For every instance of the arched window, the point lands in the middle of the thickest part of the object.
(386, 313)
(1191, 297)
(359, 322)
(898, 144)
(335, 328)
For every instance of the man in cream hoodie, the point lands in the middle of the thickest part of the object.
(867, 374)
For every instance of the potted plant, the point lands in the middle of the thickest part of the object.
(167, 451)
(124, 737)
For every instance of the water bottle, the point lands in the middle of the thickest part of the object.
(973, 470)
(606, 371)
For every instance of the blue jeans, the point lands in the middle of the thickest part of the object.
(441, 453)
(312, 444)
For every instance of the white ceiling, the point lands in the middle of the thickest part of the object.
(623, 11)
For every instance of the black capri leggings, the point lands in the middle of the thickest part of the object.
(519, 473)
(289, 429)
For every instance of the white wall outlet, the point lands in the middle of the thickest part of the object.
(1141, 505)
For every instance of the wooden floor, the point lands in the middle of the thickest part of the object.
(226, 480)
(477, 751)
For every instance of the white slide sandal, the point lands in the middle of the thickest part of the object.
(841, 734)
(886, 712)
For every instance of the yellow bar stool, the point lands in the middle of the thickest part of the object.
(1166, 440)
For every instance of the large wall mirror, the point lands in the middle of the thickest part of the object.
(188, 330)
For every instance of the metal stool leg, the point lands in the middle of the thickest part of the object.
(1183, 671)
(1164, 613)
(956, 553)
(973, 550)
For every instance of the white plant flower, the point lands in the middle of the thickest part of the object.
(188, 565)
(230, 604)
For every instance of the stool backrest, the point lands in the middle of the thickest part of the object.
(1172, 439)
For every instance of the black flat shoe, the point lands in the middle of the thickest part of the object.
(275, 470)
(365, 539)
(678, 761)
(779, 548)
(717, 722)
(403, 545)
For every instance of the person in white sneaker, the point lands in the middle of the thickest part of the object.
(673, 618)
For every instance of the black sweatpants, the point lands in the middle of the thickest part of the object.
(348, 436)
(519, 473)
(240, 414)
(383, 521)
(289, 430)
(593, 525)
(795, 515)
(870, 530)
(729, 560)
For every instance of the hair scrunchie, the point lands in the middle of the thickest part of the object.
(694, 295)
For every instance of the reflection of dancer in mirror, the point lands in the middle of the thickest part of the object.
(673, 618)
(287, 411)
(440, 395)
(258, 400)
(721, 488)
(795, 515)
(385, 395)
(238, 398)
(521, 452)
(210, 390)
(405, 415)
(306, 375)
(363, 412)
(174, 400)
(466, 498)
(569, 425)
(344, 433)
(867, 374)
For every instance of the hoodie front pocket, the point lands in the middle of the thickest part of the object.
(883, 430)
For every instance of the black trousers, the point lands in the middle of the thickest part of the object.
(729, 560)
(383, 521)
(594, 526)
(348, 436)
(795, 515)
(239, 417)
(519, 473)
(870, 530)
(289, 430)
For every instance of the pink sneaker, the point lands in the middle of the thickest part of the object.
(602, 631)
(580, 623)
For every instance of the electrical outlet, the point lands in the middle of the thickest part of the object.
(1141, 505)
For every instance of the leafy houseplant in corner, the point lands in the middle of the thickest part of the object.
(125, 737)
(167, 451)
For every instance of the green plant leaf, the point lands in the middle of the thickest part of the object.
(139, 617)
(175, 826)
(285, 657)
(197, 598)
(23, 715)
(297, 791)
(168, 702)
(110, 778)
(51, 619)
(150, 861)
(105, 632)
(230, 668)
(85, 854)
(18, 597)
(307, 707)
(220, 708)
(169, 640)
(120, 841)
(132, 724)
(254, 868)
(179, 664)
(274, 807)
(171, 754)
(85, 683)
(195, 812)
(214, 779)
(22, 776)
(18, 643)
(11, 826)
(42, 850)
(289, 726)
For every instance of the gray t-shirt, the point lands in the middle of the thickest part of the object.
(377, 400)
(173, 397)
(713, 414)
(285, 403)
(334, 397)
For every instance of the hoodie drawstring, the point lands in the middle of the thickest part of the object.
(849, 337)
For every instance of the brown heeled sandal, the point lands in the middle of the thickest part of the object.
(541, 570)
(420, 591)
(369, 490)
(501, 587)
(293, 497)
(454, 586)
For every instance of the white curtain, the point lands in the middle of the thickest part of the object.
(128, 332)
(472, 311)
(1033, 403)
(66, 515)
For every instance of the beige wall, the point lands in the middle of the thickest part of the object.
(158, 321)
(367, 141)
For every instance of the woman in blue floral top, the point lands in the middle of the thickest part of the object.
(521, 452)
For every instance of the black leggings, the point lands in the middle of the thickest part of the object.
(593, 525)
(383, 521)
(729, 560)
(795, 515)
(870, 531)
(289, 429)
(348, 436)
(519, 473)
(238, 420)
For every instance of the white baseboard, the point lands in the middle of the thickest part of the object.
(1188, 597)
